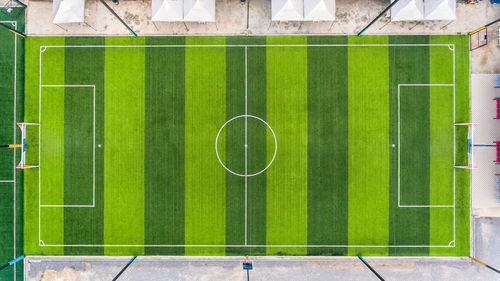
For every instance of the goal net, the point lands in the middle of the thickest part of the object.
(22, 164)
(470, 146)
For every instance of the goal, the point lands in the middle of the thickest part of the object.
(22, 164)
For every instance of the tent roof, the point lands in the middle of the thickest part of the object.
(167, 10)
(67, 11)
(199, 10)
(440, 9)
(287, 10)
(319, 9)
(407, 10)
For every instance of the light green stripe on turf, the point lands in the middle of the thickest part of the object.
(124, 146)
(205, 212)
(368, 145)
(52, 147)
(441, 160)
(286, 221)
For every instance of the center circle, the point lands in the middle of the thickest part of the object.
(246, 145)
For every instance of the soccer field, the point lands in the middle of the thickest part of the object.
(286, 145)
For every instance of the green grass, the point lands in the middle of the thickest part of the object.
(205, 113)
(12, 111)
(334, 181)
(286, 185)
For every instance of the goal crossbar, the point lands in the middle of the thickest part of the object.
(470, 146)
(22, 164)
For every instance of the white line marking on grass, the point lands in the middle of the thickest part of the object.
(44, 48)
(246, 145)
(244, 45)
(7, 181)
(93, 149)
(275, 145)
(14, 161)
(449, 245)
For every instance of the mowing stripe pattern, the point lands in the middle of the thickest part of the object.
(286, 222)
(52, 148)
(327, 145)
(235, 146)
(257, 146)
(409, 65)
(124, 146)
(368, 145)
(205, 212)
(83, 225)
(164, 146)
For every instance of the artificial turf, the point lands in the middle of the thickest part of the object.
(12, 111)
(344, 172)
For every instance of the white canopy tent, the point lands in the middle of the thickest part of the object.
(199, 10)
(68, 11)
(167, 10)
(440, 9)
(318, 10)
(415, 10)
(407, 10)
(183, 10)
(287, 10)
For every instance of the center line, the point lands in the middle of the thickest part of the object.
(246, 145)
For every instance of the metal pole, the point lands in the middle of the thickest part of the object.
(123, 270)
(116, 15)
(13, 30)
(483, 264)
(371, 269)
(375, 19)
(12, 262)
(21, 3)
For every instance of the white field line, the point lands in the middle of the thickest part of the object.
(399, 148)
(14, 161)
(246, 145)
(255, 246)
(454, 149)
(452, 242)
(14, 24)
(224, 46)
(93, 151)
(450, 245)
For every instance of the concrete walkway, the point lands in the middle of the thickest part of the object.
(231, 19)
(483, 110)
(487, 243)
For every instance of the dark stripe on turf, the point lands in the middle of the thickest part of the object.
(409, 226)
(83, 66)
(327, 145)
(7, 101)
(257, 141)
(235, 145)
(164, 147)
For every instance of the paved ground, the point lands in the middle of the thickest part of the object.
(487, 243)
(483, 108)
(352, 16)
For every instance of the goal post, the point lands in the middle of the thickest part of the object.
(470, 146)
(22, 163)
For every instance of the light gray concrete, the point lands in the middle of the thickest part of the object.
(352, 16)
(231, 19)
(487, 243)
(483, 110)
